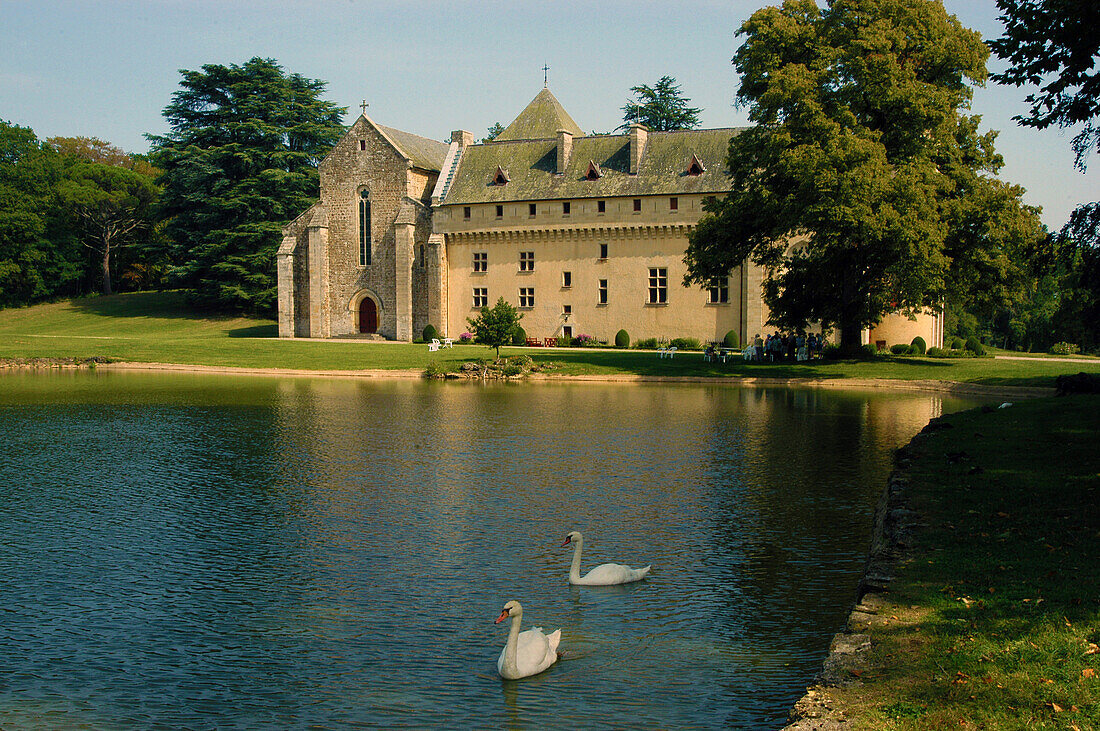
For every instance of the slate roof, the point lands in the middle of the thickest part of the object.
(424, 153)
(540, 119)
(532, 164)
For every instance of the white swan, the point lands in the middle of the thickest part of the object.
(603, 575)
(529, 652)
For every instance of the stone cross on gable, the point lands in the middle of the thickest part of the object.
(545, 75)
(364, 106)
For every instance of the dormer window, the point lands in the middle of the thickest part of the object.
(594, 172)
(696, 167)
(501, 177)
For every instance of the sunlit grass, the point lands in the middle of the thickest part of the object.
(161, 327)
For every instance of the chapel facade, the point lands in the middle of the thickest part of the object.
(584, 234)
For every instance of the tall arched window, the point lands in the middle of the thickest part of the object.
(364, 228)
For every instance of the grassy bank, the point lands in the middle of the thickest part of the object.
(160, 327)
(993, 620)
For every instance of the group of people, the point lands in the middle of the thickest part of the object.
(792, 347)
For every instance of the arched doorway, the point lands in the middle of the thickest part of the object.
(368, 316)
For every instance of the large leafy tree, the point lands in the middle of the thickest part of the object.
(494, 327)
(862, 188)
(1054, 47)
(662, 107)
(240, 160)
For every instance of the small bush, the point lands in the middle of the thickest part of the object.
(919, 345)
(1065, 349)
(731, 340)
(622, 339)
(466, 338)
(511, 370)
(563, 341)
(957, 343)
(430, 333)
(869, 351)
(435, 370)
(975, 346)
(899, 349)
(586, 341)
(686, 344)
(945, 353)
(647, 344)
(519, 336)
(831, 350)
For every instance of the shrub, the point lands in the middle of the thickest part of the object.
(731, 340)
(686, 344)
(975, 346)
(465, 338)
(646, 343)
(899, 349)
(957, 343)
(519, 336)
(935, 352)
(869, 351)
(430, 333)
(564, 341)
(1064, 348)
(919, 345)
(511, 370)
(831, 350)
(586, 341)
(435, 370)
(622, 339)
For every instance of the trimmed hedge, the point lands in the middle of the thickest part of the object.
(519, 336)
(430, 333)
(731, 340)
(975, 346)
(622, 339)
(919, 345)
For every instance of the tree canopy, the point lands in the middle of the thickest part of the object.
(861, 188)
(661, 108)
(494, 327)
(239, 161)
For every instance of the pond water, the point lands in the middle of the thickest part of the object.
(196, 551)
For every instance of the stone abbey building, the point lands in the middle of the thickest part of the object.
(585, 234)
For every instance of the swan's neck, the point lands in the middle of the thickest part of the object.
(511, 650)
(575, 567)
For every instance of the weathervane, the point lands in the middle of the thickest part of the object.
(545, 75)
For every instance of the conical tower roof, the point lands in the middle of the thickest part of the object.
(540, 120)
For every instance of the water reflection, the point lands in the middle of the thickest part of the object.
(201, 551)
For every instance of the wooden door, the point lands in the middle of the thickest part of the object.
(368, 316)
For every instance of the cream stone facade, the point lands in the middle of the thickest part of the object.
(585, 234)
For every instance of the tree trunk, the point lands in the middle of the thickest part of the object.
(106, 269)
(851, 338)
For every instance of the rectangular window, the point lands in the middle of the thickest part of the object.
(423, 263)
(637, 204)
(364, 229)
(500, 211)
(531, 209)
(466, 212)
(603, 251)
(362, 144)
(719, 291)
(481, 261)
(526, 296)
(567, 279)
(658, 285)
(567, 309)
(565, 208)
(601, 206)
(673, 204)
(527, 261)
(601, 293)
(481, 296)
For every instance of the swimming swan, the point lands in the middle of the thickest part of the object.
(604, 575)
(528, 652)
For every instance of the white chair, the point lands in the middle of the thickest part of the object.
(448, 343)
(748, 353)
(661, 351)
(671, 351)
(434, 345)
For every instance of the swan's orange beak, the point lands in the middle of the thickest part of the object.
(503, 616)
(566, 541)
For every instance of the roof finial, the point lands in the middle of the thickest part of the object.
(545, 75)
(364, 106)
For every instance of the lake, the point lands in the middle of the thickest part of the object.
(202, 551)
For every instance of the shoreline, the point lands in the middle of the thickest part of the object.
(950, 387)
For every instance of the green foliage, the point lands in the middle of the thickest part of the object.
(1065, 349)
(919, 346)
(686, 344)
(957, 343)
(519, 336)
(563, 341)
(622, 339)
(493, 132)
(646, 344)
(731, 340)
(430, 333)
(239, 162)
(868, 351)
(859, 143)
(496, 326)
(899, 349)
(435, 369)
(511, 370)
(975, 346)
(661, 108)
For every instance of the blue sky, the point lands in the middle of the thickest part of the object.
(107, 69)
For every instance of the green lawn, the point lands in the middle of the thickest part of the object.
(160, 327)
(994, 619)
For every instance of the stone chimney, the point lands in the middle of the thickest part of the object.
(638, 134)
(462, 137)
(565, 149)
